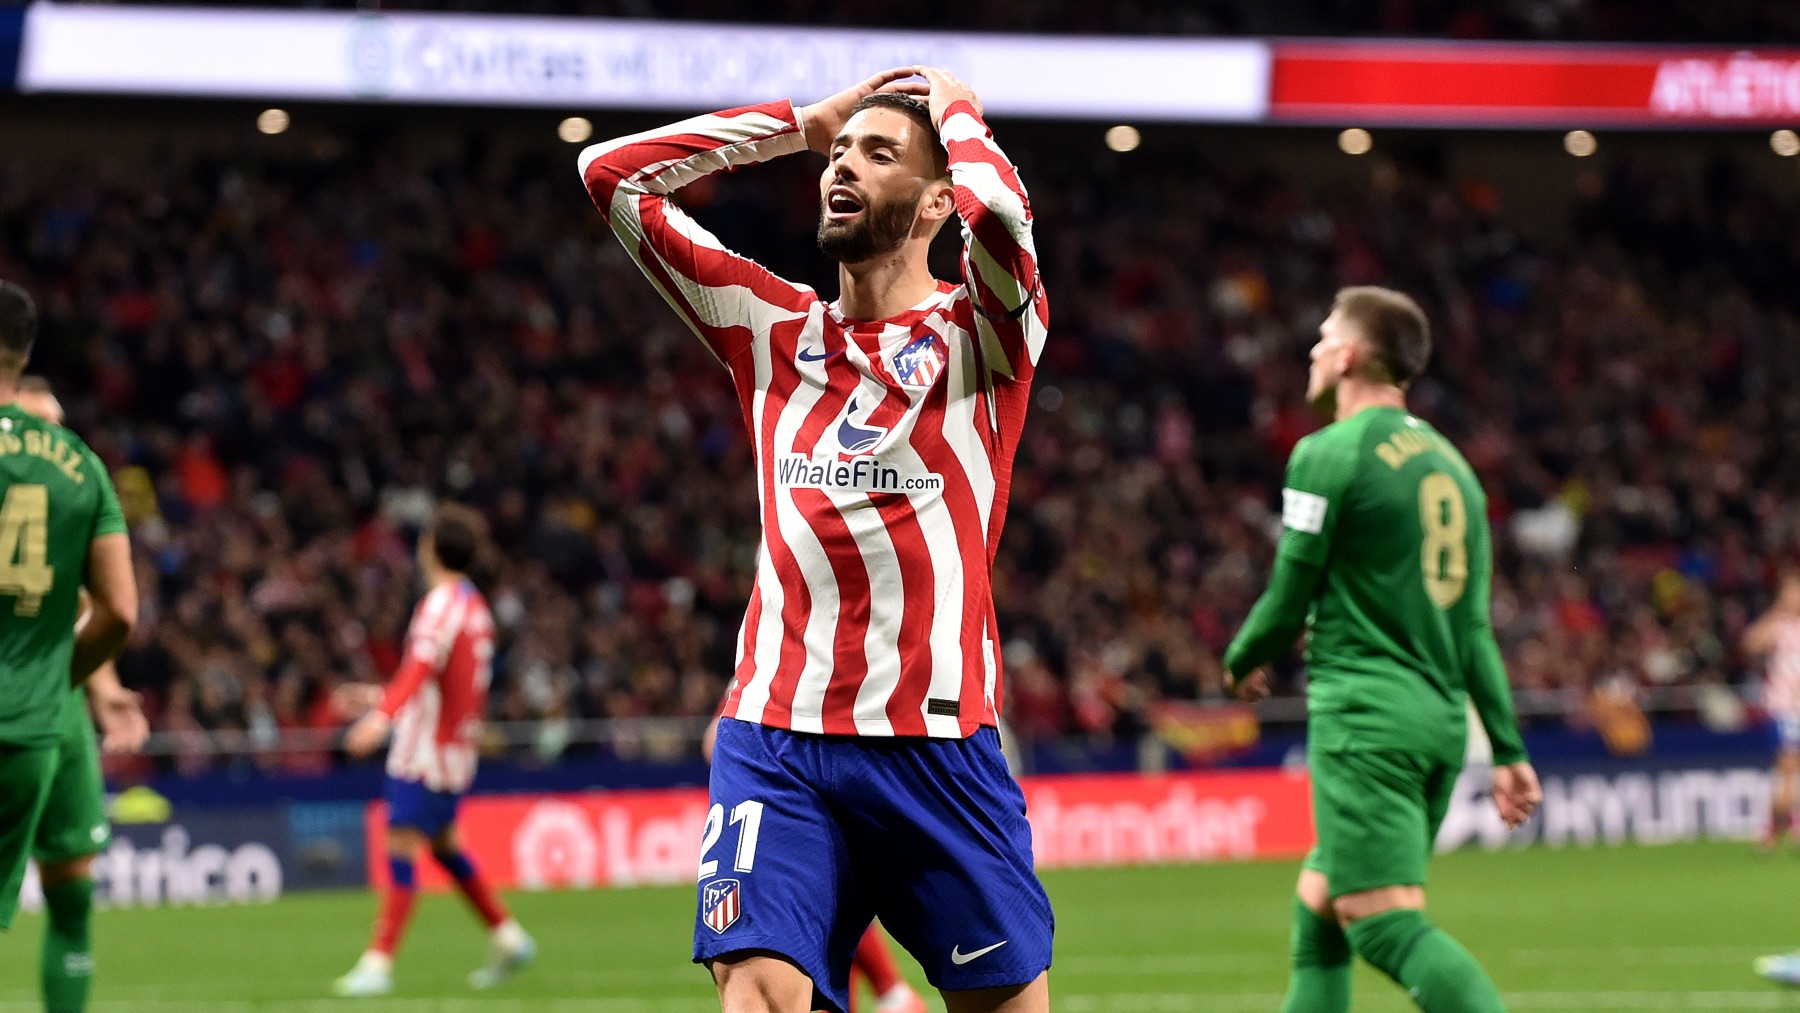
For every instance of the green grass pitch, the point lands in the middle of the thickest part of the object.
(1637, 928)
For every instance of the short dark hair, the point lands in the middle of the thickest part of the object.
(1393, 325)
(456, 536)
(915, 107)
(18, 320)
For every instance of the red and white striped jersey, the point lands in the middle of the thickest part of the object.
(884, 448)
(439, 693)
(1781, 693)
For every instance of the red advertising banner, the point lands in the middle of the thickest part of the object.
(1477, 84)
(631, 838)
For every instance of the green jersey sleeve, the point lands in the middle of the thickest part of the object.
(1318, 473)
(1485, 673)
(109, 517)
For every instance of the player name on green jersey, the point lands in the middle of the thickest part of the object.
(55, 499)
(1389, 524)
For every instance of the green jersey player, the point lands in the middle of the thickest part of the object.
(73, 827)
(60, 530)
(1385, 560)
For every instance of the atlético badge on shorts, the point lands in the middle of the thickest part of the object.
(720, 904)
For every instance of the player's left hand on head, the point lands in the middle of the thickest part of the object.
(123, 726)
(1252, 687)
(1516, 793)
(946, 90)
(367, 734)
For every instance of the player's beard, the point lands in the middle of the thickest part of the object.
(881, 228)
(1324, 399)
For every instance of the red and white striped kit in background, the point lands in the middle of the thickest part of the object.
(884, 449)
(439, 693)
(1781, 693)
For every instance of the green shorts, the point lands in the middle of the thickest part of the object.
(1377, 814)
(26, 773)
(74, 821)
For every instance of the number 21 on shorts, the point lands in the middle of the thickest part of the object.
(747, 816)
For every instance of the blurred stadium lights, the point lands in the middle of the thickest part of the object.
(1785, 143)
(1580, 143)
(604, 63)
(575, 129)
(1123, 138)
(1355, 141)
(273, 121)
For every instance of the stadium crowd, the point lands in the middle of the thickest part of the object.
(288, 360)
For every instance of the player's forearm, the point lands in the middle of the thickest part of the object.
(1492, 695)
(99, 640)
(663, 160)
(1277, 618)
(406, 682)
(112, 609)
(1002, 266)
(104, 682)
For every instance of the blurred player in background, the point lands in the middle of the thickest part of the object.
(61, 529)
(874, 961)
(858, 771)
(1385, 560)
(1776, 638)
(433, 707)
(73, 828)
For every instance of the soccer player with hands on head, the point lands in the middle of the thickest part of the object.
(857, 772)
(1385, 560)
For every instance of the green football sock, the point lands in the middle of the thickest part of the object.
(1435, 970)
(67, 964)
(1320, 979)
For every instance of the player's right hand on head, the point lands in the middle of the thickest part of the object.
(823, 120)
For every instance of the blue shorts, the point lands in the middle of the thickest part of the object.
(411, 804)
(810, 837)
(1787, 731)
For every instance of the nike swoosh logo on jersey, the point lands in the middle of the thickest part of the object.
(854, 438)
(958, 957)
(821, 357)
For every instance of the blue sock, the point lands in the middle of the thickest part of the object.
(400, 872)
(456, 864)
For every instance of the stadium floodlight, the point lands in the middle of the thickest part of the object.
(575, 129)
(1123, 138)
(1355, 141)
(1785, 143)
(1580, 143)
(273, 121)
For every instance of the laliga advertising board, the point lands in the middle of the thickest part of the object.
(632, 838)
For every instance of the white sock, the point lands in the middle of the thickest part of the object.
(509, 935)
(895, 998)
(377, 961)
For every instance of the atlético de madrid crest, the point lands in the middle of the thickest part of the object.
(721, 901)
(921, 360)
